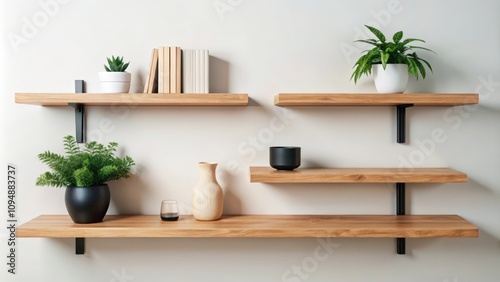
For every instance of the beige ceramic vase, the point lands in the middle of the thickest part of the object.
(207, 194)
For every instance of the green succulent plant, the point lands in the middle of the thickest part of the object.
(116, 64)
(396, 52)
(92, 165)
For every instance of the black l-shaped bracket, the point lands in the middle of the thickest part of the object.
(79, 113)
(400, 210)
(400, 187)
(80, 138)
(79, 246)
(401, 122)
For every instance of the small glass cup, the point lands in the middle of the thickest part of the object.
(169, 210)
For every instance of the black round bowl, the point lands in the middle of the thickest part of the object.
(284, 157)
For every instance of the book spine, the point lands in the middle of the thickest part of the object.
(197, 71)
(202, 69)
(173, 72)
(166, 70)
(146, 81)
(184, 76)
(178, 68)
(153, 78)
(161, 69)
(193, 71)
(207, 71)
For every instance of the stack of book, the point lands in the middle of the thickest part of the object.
(195, 71)
(174, 71)
(151, 85)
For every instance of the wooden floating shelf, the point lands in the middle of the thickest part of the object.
(139, 99)
(254, 226)
(338, 99)
(357, 175)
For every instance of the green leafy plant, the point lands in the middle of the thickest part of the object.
(396, 52)
(116, 64)
(94, 164)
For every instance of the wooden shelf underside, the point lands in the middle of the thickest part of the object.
(339, 99)
(254, 226)
(139, 99)
(357, 175)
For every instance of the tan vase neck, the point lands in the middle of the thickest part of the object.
(207, 171)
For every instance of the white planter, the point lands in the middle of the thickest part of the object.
(114, 82)
(393, 79)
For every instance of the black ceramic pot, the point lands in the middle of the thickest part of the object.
(87, 204)
(284, 158)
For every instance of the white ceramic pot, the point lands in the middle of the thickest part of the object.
(114, 82)
(393, 79)
(207, 194)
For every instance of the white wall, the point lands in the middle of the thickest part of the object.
(261, 48)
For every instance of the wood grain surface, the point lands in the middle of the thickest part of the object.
(357, 175)
(139, 99)
(338, 99)
(253, 226)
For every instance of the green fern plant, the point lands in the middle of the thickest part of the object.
(116, 64)
(92, 165)
(396, 52)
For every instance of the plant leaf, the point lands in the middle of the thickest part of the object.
(124, 67)
(408, 40)
(51, 179)
(369, 41)
(420, 67)
(397, 36)
(84, 177)
(423, 48)
(412, 68)
(70, 145)
(385, 57)
(377, 33)
(427, 63)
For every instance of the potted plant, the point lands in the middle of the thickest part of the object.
(115, 79)
(85, 171)
(391, 62)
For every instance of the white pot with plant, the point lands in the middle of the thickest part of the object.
(115, 79)
(391, 62)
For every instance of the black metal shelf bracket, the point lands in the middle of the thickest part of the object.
(400, 210)
(79, 113)
(79, 246)
(401, 122)
(80, 138)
